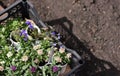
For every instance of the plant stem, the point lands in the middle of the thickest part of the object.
(43, 71)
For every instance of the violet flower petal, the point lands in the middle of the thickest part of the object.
(54, 44)
(53, 33)
(13, 68)
(25, 35)
(59, 36)
(33, 69)
(61, 46)
(22, 32)
(28, 22)
(30, 26)
(55, 68)
(25, 39)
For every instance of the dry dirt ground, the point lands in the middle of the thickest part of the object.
(91, 27)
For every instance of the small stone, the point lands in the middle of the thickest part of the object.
(84, 8)
(104, 12)
(75, 1)
(70, 11)
(119, 47)
(48, 7)
(106, 66)
(84, 21)
(91, 50)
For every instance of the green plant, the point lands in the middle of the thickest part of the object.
(24, 55)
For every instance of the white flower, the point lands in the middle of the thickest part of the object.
(25, 58)
(62, 50)
(40, 52)
(36, 61)
(13, 59)
(36, 47)
(55, 48)
(58, 59)
(9, 54)
(3, 29)
(30, 38)
(22, 22)
(69, 55)
(2, 62)
(1, 68)
(45, 38)
(0, 51)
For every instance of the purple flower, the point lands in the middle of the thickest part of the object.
(30, 26)
(24, 33)
(25, 39)
(53, 33)
(55, 68)
(28, 22)
(33, 69)
(54, 44)
(58, 34)
(13, 68)
(59, 37)
(61, 46)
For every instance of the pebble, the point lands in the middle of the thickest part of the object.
(48, 7)
(104, 12)
(75, 1)
(91, 50)
(70, 11)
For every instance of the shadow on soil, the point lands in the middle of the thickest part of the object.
(93, 66)
(1, 4)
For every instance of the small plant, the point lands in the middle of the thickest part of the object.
(27, 50)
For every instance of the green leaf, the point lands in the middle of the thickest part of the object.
(33, 64)
(10, 72)
(25, 67)
(26, 73)
(13, 63)
(6, 48)
(16, 72)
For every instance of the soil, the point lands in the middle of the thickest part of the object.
(91, 27)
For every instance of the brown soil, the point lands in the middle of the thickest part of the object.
(91, 27)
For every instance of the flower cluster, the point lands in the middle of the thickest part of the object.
(38, 55)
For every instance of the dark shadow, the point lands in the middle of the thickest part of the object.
(2, 4)
(93, 66)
